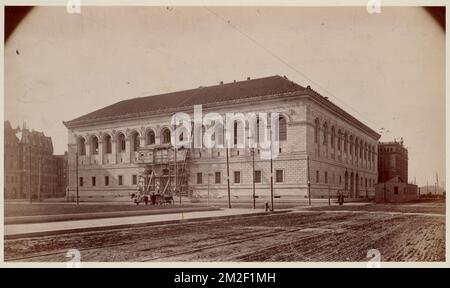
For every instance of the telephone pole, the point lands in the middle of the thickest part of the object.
(437, 182)
(308, 179)
(254, 194)
(228, 180)
(29, 176)
(39, 180)
(76, 172)
(176, 173)
(271, 169)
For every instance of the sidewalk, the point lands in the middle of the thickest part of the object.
(96, 215)
(14, 231)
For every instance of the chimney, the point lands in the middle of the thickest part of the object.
(248, 78)
(221, 82)
(234, 81)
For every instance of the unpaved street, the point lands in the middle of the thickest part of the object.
(316, 234)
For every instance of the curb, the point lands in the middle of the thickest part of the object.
(100, 215)
(137, 225)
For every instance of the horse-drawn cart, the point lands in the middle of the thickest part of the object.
(148, 191)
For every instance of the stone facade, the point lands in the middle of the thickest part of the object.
(108, 152)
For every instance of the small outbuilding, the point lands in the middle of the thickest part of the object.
(395, 190)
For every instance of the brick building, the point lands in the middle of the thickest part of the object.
(393, 174)
(61, 175)
(30, 165)
(392, 161)
(318, 141)
(12, 163)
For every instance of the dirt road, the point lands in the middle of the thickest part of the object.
(325, 235)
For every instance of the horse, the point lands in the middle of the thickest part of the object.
(163, 199)
(139, 198)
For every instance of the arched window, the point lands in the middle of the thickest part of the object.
(361, 147)
(238, 131)
(165, 136)
(332, 136)
(150, 137)
(261, 127)
(365, 151)
(346, 180)
(121, 142)
(339, 139)
(345, 142)
(81, 146)
(94, 145)
(351, 145)
(219, 132)
(282, 129)
(135, 141)
(107, 144)
(316, 130)
(325, 133)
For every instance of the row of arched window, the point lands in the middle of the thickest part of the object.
(121, 144)
(345, 142)
(165, 135)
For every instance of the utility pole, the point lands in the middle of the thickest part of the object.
(254, 194)
(39, 179)
(176, 173)
(308, 179)
(208, 174)
(435, 186)
(228, 180)
(271, 168)
(76, 171)
(29, 176)
(329, 196)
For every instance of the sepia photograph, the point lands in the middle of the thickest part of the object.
(208, 133)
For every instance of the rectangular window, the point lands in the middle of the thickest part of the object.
(81, 181)
(106, 180)
(120, 178)
(279, 176)
(326, 177)
(258, 178)
(218, 178)
(396, 190)
(340, 180)
(317, 176)
(200, 178)
(134, 179)
(237, 177)
(94, 181)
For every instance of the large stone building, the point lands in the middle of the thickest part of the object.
(319, 142)
(392, 161)
(30, 166)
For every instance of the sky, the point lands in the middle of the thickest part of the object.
(387, 69)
